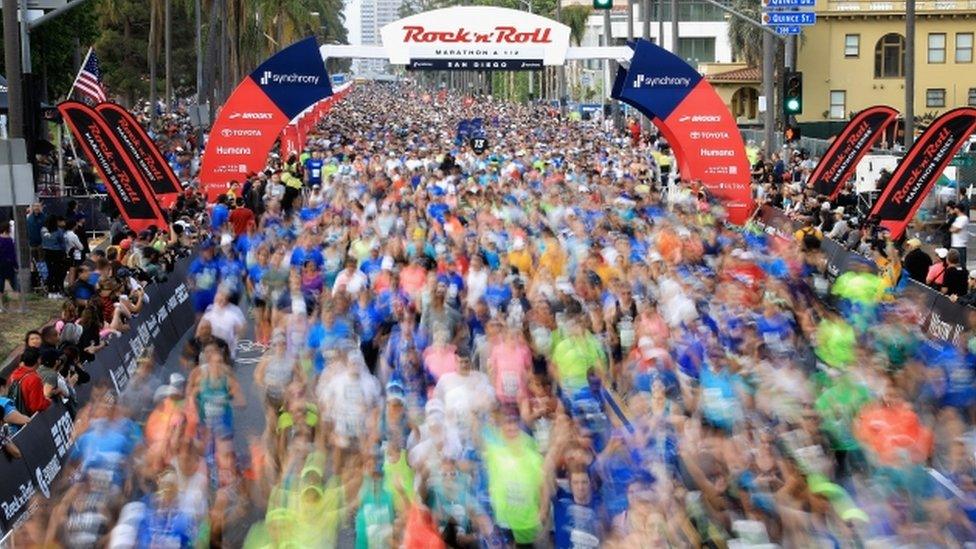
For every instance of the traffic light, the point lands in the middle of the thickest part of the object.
(793, 93)
(602, 4)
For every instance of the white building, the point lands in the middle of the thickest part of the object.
(703, 31)
(374, 15)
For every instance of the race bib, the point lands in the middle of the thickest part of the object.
(510, 384)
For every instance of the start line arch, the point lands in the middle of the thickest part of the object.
(294, 82)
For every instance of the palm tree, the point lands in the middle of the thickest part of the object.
(575, 17)
(744, 37)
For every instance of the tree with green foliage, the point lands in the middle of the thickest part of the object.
(745, 38)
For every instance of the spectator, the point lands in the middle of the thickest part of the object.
(916, 262)
(8, 265)
(83, 288)
(35, 224)
(959, 231)
(27, 389)
(74, 249)
(52, 243)
(956, 280)
(970, 298)
(11, 415)
(936, 273)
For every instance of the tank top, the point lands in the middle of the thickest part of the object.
(214, 398)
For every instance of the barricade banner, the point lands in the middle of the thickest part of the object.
(130, 193)
(921, 168)
(143, 152)
(852, 143)
(44, 443)
(16, 492)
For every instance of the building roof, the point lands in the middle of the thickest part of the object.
(745, 74)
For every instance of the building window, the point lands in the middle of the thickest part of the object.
(972, 97)
(697, 50)
(964, 47)
(935, 97)
(937, 47)
(889, 56)
(838, 104)
(852, 45)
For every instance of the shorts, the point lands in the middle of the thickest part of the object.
(202, 300)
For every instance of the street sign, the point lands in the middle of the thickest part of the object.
(792, 29)
(789, 18)
(788, 3)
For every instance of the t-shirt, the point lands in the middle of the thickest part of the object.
(349, 400)
(960, 238)
(576, 526)
(225, 321)
(573, 357)
(464, 395)
(240, 218)
(515, 478)
(205, 274)
(218, 217)
(313, 167)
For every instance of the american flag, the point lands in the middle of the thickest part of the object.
(89, 80)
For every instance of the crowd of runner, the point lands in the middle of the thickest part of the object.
(551, 343)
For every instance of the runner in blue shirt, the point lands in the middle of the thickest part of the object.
(204, 277)
(313, 169)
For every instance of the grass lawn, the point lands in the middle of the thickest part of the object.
(13, 325)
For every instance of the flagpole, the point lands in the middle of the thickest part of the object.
(80, 69)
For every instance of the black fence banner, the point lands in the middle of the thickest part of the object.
(941, 318)
(921, 168)
(16, 492)
(46, 440)
(123, 181)
(143, 153)
(44, 443)
(852, 143)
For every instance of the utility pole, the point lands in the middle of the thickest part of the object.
(531, 73)
(11, 58)
(15, 131)
(674, 27)
(646, 20)
(630, 20)
(789, 56)
(769, 118)
(660, 23)
(561, 84)
(909, 73)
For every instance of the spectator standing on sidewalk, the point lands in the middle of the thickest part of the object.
(35, 224)
(916, 261)
(959, 231)
(26, 386)
(8, 264)
(52, 242)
